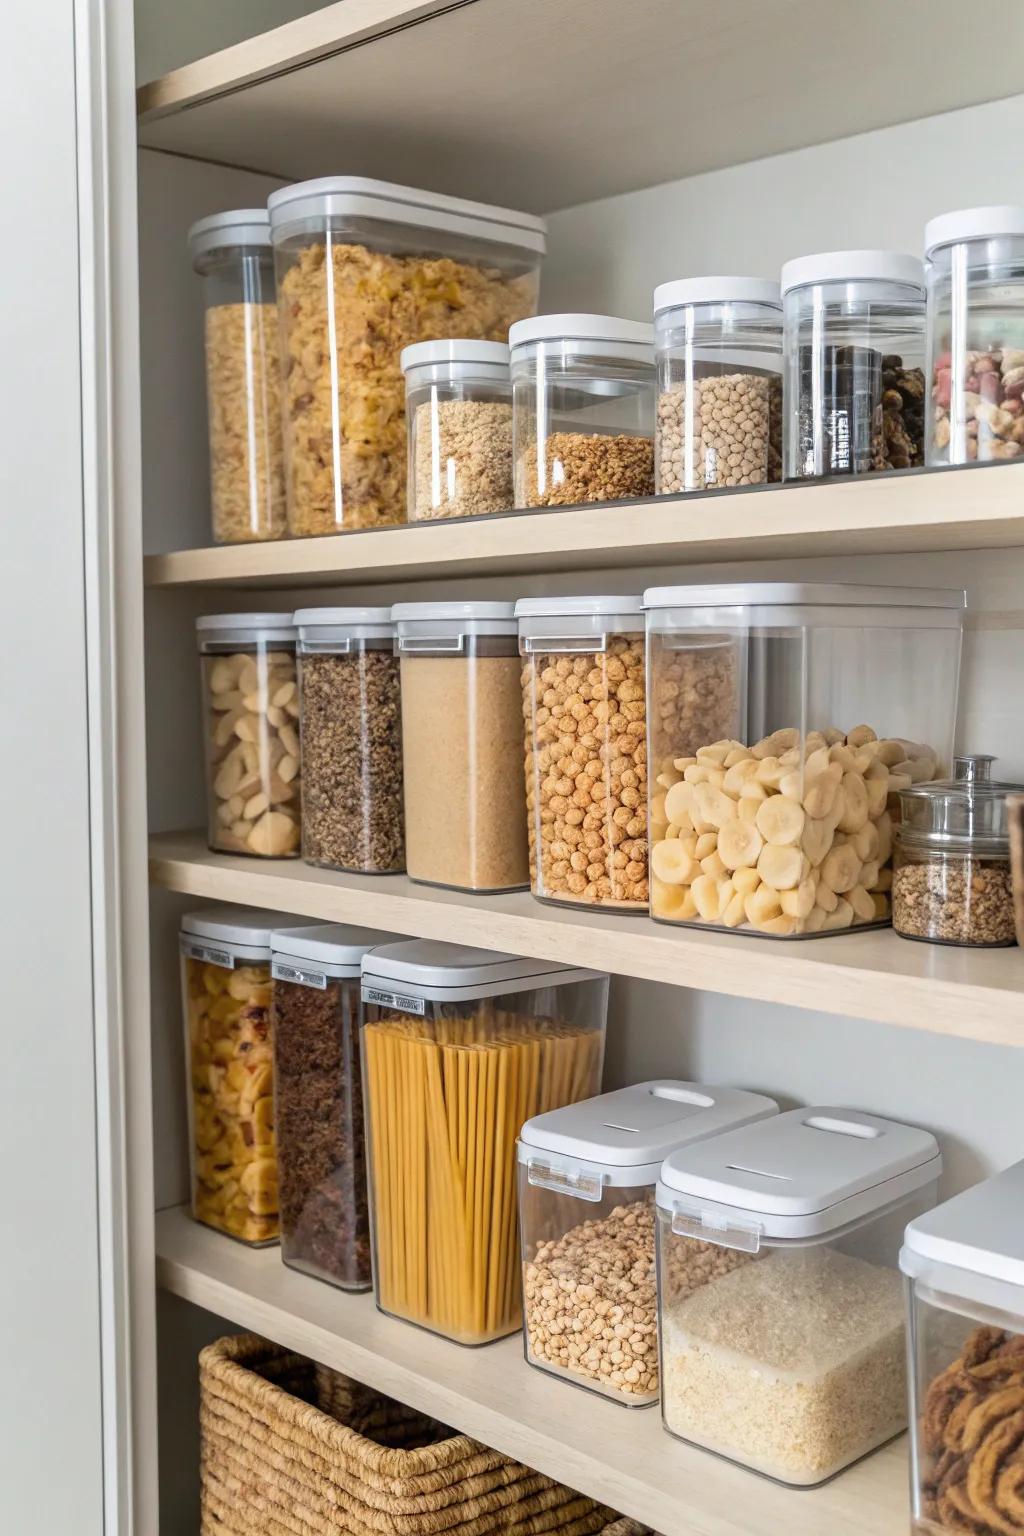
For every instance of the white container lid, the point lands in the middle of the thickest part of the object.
(332, 949)
(576, 607)
(801, 1173)
(241, 932)
(360, 197)
(853, 267)
(638, 333)
(973, 224)
(979, 1231)
(218, 231)
(789, 594)
(429, 968)
(424, 353)
(635, 1129)
(280, 626)
(411, 612)
(332, 618)
(717, 290)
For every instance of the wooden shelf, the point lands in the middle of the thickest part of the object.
(964, 993)
(971, 508)
(620, 1456)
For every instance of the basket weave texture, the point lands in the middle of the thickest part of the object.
(294, 1449)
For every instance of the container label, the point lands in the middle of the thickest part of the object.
(282, 972)
(209, 954)
(396, 1000)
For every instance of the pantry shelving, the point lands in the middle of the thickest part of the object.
(967, 994)
(617, 1455)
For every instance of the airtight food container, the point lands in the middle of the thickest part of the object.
(460, 1047)
(583, 389)
(232, 254)
(783, 719)
(587, 1175)
(465, 808)
(458, 405)
(964, 1268)
(854, 337)
(585, 714)
(351, 717)
(975, 271)
(318, 1101)
(781, 1309)
(365, 268)
(226, 997)
(719, 348)
(251, 733)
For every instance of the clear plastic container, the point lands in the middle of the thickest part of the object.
(232, 253)
(351, 714)
(781, 1310)
(783, 718)
(854, 346)
(458, 407)
(964, 1268)
(587, 1175)
(226, 998)
(975, 271)
(586, 798)
(951, 877)
(460, 1047)
(465, 806)
(251, 733)
(583, 389)
(718, 342)
(318, 1101)
(365, 268)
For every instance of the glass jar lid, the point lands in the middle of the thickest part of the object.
(966, 813)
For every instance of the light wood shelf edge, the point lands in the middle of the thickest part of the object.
(965, 994)
(617, 1455)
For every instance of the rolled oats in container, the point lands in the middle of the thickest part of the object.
(459, 408)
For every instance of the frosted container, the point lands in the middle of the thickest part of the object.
(718, 342)
(781, 1310)
(975, 273)
(587, 1175)
(458, 406)
(460, 1047)
(365, 268)
(783, 719)
(964, 1268)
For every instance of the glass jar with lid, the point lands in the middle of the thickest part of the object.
(233, 255)
(718, 342)
(583, 389)
(587, 1175)
(458, 408)
(951, 879)
(975, 271)
(854, 338)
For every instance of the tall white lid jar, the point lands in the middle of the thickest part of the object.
(718, 342)
(583, 391)
(975, 272)
(854, 343)
(232, 253)
(458, 406)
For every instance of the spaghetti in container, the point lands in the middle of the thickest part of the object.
(460, 1048)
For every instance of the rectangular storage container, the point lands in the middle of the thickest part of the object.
(587, 1175)
(460, 1048)
(351, 736)
(318, 1101)
(229, 1043)
(462, 744)
(458, 402)
(251, 733)
(964, 1268)
(780, 1305)
(783, 719)
(364, 269)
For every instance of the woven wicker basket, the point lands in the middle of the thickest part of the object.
(294, 1449)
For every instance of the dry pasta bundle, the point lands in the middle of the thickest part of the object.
(447, 1098)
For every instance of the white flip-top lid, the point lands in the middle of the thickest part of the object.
(583, 328)
(990, 223)
(853, 267)
(361, 197)
(432, 969)
(581, 607)
(328, 949)
(801, 1173)
(242, 933)
(220, 231)
(246, 626)
(979, 1232)
(323, 627)
(791, 594)
(716, 290)
(632, 1130)
(425, 353)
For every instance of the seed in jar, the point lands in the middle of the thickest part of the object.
(990, 390)
(585, 466)
(730, 434)
(463, 458)
(948, 900)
